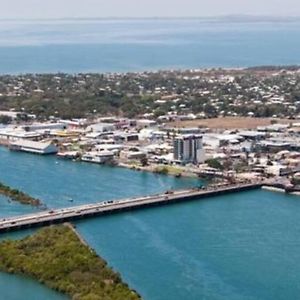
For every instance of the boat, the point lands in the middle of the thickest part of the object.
(68, 154)
(292, 189)
(100, 157)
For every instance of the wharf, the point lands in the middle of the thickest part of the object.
(113, 206)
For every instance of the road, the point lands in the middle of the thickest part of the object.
(111, 206)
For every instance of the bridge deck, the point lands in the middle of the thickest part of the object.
(112, 206)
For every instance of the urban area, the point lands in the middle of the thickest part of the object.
(228, 126)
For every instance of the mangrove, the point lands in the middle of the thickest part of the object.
(57, 257)
(19, 196)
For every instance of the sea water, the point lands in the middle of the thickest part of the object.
(110, 45)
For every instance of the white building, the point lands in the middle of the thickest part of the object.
(33, 147)
(10, 134)
(189, 149)
(44, 126)
(98, 157)
(145, 123)
(101, 127)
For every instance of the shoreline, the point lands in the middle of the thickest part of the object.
(73, 228)
(19, 196)
(273, 189)
(280, 190)
(79, 273)
(151, 169)
(156, 70)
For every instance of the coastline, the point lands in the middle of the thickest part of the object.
(73, 228)
(19, 196)
(280, 190)
(273, 189)
(172, 171)
(65, 264)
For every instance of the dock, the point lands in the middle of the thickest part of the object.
(74, 213)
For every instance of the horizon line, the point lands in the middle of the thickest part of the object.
(236, 17)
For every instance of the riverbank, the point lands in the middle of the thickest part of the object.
(19, 196)
(56, 257)
(176, 171)
(277, 187)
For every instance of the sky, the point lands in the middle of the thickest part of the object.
(28, 9)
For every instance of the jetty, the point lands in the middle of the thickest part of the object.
(62, 215)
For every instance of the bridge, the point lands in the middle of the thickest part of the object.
(55, 216)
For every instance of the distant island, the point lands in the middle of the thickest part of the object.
(57, 257)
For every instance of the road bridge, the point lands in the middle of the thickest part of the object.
(47, 217)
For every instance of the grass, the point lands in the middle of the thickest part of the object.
(167, 169)
(230, 122)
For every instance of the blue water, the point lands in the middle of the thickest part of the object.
(135, 45)
(241, 246)
(57, 181)
(238, 246)
(17, 287)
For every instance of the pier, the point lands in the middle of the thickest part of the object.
(113, 206)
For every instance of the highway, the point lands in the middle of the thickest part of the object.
(107, 207)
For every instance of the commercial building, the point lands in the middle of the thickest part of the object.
(189, 149)
(33, 147)
(101, 127)
(9, 135)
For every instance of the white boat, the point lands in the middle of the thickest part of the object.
(68, 154)
(100, 157)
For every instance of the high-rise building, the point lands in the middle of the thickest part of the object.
(189, 149)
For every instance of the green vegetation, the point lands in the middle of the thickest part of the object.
(144, 161)
(168, 170)
(162, 170)
(56, 257)
(5, 120)
(210, 93)
(17, 195)
(214, 163)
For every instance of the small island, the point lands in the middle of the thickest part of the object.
(57, 257)
(19, 196)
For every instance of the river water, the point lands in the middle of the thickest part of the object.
(238, 246)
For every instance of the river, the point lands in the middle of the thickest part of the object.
(238, 246)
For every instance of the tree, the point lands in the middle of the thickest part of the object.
(210, 111)
(5, 119)
(144, 161)
(214, 163)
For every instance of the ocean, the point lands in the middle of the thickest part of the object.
(129, 45)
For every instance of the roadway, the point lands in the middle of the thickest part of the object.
(107, 207)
